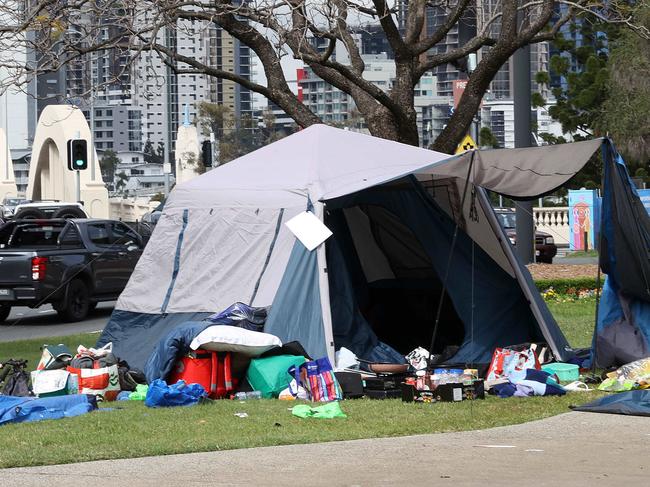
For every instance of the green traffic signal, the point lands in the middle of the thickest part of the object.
(77, 155)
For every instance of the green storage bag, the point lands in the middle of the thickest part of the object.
(269, 375)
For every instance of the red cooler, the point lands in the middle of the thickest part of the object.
(210, 369)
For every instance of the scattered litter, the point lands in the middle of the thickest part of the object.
(577, 386)
(241, 415)
(326, 411)
(534, 450)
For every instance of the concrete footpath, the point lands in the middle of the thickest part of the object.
(571, 449)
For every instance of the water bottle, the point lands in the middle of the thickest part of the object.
(73, 384)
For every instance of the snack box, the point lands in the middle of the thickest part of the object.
(453, 392)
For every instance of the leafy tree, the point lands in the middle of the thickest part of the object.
(605, 93)
(273, 30)
(107, 165)
(160, 152)
(190, 160)
(236, 136)
(625, 114)
(150, 156)
(487, 138)
(158, 197)
(122, 179)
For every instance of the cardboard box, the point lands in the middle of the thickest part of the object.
(445, 393)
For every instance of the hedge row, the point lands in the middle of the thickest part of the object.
(561, 286)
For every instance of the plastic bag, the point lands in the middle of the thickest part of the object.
(418, 358)
(638, 370)
(635, 375)
(345, 359)
(269, 375)
(140, 393)
(242, 316)
(288, 395)
(180, 394)
(326, 411)
(318, 379)
(50, 382)
(91, 358)
(103, 382)
(512, 364)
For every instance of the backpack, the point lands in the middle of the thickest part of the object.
(14, 378)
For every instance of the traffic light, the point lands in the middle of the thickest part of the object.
(77, 155)
(206, 152)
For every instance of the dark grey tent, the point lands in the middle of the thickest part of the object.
(394, 210)
(622, 334)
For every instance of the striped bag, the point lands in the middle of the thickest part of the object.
(318, 379)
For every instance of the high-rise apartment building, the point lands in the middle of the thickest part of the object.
(162, 94)
(145, 97)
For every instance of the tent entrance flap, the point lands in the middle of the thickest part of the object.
(381, 276)
(390, 247)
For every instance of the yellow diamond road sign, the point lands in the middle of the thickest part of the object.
(466, 144)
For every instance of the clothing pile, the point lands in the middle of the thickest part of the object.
(516, 371)
(532, 383)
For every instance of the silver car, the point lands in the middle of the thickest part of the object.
(9, 204)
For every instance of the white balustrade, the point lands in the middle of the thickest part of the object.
(555, 222)
(130, 209)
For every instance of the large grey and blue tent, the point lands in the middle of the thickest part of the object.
(393, 210)
(622, 333)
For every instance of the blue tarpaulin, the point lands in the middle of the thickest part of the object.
(633, 403)
(27, 409)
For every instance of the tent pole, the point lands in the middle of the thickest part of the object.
(449, 259)
(519, 270)
(605, 157)
(324, 288)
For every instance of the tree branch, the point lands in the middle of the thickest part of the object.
(442, 31)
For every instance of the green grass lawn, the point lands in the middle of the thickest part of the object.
(125, 429)
(582, 253)
(576, 319)
(133, 430)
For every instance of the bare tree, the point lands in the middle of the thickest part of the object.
(65, 32)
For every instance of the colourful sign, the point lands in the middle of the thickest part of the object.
(457, 89)
(584, 215)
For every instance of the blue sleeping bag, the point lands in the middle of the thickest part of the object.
(14, 409)
(175, 344)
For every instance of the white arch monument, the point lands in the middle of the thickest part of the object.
(7, 180)
(49, 176)
(187, 150)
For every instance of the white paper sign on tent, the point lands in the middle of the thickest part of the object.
(308, 229)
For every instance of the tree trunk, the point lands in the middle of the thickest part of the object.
(459, 124)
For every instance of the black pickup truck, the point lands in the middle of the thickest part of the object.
(73, 264)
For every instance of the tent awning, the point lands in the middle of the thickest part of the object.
(518, 173)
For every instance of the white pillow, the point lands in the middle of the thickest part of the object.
(224, 338)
